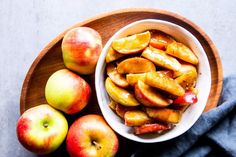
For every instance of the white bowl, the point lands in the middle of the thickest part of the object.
(203, 85)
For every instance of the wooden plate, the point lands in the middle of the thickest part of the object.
(49, 60)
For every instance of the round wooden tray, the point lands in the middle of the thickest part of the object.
(49, 60)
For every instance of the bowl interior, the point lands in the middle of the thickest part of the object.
(191, 115)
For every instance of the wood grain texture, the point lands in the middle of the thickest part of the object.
(49, 59)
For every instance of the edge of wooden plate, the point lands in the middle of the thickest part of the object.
(218, 87)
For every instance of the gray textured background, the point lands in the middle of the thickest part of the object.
(26, 26)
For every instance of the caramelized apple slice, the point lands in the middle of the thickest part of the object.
(182, 109)
(120, 95)
(112, 105)
(194, 90)
(117, 78)
(135, 65)
(160, 40)
(121, 110)
(136, 118)
(164, 114)
(184, 68)
(150, 97)
(188, 79)
(161, 59)
(168, 73)
(112, 55)
(151, 128)
(182, 52)
(132, 44)
(189, 98)
(133, 78)
(164, 83)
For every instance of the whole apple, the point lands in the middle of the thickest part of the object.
(90, 136)
(66, 91)
(42, 129)
(81, 48)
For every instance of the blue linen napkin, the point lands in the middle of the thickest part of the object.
(214, 134)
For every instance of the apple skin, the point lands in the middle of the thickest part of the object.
(66, 91)
(42, 129)
(90, 136)
(81, 48)
(150, 128)
(189, 98)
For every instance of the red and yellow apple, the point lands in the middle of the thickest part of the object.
(90, 136)
(67, 91)
(81, 48)
(42, 129)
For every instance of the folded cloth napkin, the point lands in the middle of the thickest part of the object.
(214, 134)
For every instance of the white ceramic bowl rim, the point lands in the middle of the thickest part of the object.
(191, 115)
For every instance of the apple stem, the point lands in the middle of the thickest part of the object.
(45, 125)
(97, 145)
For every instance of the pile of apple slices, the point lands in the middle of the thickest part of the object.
(151, 80)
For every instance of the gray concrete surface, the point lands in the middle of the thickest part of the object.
(26, 26)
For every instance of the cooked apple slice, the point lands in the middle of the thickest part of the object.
(164, 114)
(136, 118)
(117, 78)
(133, 78)
(120, 95)
(189, 98)
(132, 44)
(188, 79)
(184, 68)
(194, 90)
(112, 105)
(160, 58)
(164, 83)
(112, 55)
(168, 73)
(182, 109)
(182, 52)
(150, 97)
(121, 110)
(151, 128)
(160, 40)
(186, 76)
(135, 65)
